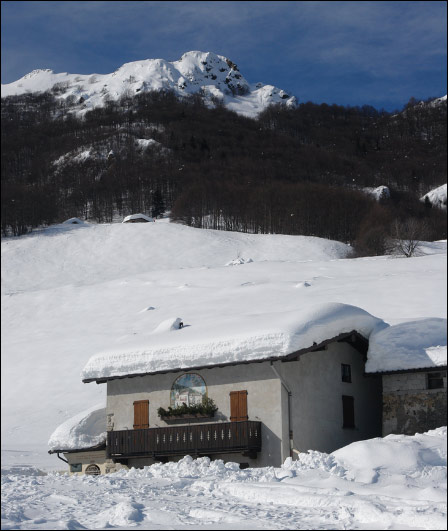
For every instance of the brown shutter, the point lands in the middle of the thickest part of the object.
(242, 399)
(238, 405)
(234, 403)
(141, 414)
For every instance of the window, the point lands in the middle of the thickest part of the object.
(348, 412)
(141, 414)
(76, 467)
(346, 372)
(238, 405)
(435, 380)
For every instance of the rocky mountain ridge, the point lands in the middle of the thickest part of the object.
(213, 76)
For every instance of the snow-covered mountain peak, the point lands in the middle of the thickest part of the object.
(36, 72)
(214, 76)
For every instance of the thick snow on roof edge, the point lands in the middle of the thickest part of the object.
(411, 345)
(84, 430)
(242, 338)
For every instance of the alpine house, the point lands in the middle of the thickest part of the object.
(253, 391)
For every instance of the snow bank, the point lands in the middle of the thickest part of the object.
(398, 482)
(125, 513)
(187, 467)
(410, 345)
(81, 431)
(241, 338)
(402, 456)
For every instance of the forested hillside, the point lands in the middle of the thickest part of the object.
(291, 171)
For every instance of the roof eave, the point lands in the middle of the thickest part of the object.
(101, 446)
(433, 368)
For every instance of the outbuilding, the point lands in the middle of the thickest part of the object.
(411, 359)
(137, 218)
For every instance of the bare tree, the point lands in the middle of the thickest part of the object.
(407, 237)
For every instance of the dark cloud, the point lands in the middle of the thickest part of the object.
(378, 53)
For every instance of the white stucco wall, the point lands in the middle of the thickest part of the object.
(263, 402)
(316, 406)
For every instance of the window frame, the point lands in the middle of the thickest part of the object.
(435, 377)
(343, 374)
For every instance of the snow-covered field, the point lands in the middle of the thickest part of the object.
(71, 291)
(398, 482)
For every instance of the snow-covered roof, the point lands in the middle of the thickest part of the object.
(74, 221)
(137, 216)
(233, 340)
(407, 346)
(85, 430)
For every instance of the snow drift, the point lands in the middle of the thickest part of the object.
(396, 482)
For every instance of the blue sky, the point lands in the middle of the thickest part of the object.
(350, 53)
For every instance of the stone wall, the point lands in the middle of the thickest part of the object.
(409, 407)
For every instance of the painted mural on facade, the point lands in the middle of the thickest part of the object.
(188, 389)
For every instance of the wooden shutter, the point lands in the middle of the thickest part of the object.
(141, 414)
(238, 405)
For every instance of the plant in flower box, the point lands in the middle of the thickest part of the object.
(206, 409)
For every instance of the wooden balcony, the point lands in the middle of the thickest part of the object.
(195, 440)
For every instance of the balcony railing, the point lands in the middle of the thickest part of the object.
(196, 440)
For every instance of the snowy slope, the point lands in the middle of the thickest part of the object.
(398, 482)
(212, 75)
(71, 291)
(437, 197)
